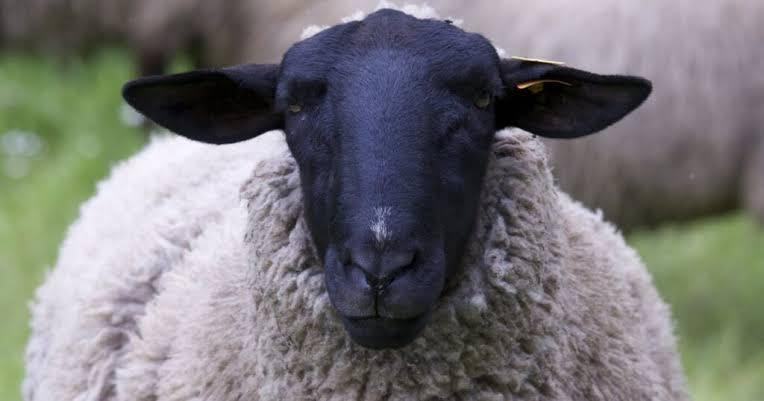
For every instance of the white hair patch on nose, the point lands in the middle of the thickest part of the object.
(378, 225)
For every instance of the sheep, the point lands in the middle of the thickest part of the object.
(383, 243)
(214, 35)
(155, 31)
(63, 27)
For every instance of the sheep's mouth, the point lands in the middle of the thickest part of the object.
(378, 332)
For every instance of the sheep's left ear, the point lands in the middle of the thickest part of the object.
(550, 100)
(217, 106)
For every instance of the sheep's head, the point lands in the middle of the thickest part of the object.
(390, 120)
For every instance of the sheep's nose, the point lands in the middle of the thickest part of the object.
(380, 268)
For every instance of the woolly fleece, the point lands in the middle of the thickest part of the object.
(191, 276)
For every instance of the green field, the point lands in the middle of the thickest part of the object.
(60, 130)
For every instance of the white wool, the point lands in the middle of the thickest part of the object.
(156, 206)
(416, 10)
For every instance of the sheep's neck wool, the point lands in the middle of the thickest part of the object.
(510, 326)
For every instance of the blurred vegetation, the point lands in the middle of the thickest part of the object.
(712, 274)
(62, 127)
(60, 130)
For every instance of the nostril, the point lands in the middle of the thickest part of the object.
(399, 264)
(344, 257)
(371, 280)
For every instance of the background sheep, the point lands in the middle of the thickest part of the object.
(695, 146)
(542, 301)
(155, 30)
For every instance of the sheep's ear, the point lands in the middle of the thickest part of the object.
(550, 100)
(217, 106)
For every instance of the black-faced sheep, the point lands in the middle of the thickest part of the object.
(391, 245)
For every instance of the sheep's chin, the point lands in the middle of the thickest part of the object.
(383, 333)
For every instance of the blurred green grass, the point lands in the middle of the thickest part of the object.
(711, 271)
(712, 274)
(73, 112)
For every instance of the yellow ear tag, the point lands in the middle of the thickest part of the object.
(538, 85)
(537, 60)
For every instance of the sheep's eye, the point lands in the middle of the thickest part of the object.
(483, 100)
(295, 108)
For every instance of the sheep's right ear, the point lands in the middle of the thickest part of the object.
(217, 106)
(554, 101)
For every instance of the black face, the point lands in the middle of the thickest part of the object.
(390, 120)
(391, 138)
